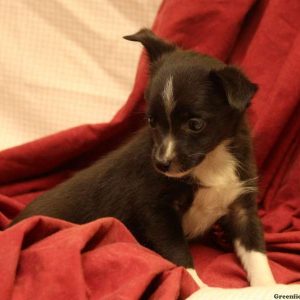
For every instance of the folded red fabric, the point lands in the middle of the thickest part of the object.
(54, 259)
(44, 258)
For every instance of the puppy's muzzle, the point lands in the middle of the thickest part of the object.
(162, 164)
(164, 155)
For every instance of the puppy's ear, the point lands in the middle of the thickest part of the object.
(155, 46)
(238, 88)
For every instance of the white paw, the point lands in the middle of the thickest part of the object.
(261, 283)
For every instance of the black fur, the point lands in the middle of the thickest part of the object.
(126, 185)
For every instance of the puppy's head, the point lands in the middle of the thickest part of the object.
(194, 103)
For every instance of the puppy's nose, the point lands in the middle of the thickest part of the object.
(163, 165)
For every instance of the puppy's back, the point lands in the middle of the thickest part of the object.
(104, 189)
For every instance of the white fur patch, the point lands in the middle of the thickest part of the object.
(217, 173)
(196, 278)
(168, 97)
(256, 265)
(169, 148)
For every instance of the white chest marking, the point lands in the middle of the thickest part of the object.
(217, 173)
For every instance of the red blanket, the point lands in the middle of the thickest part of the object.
(51, 259)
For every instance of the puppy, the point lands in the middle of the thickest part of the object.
(191, 167)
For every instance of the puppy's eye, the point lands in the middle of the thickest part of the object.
(151, 122)
(196, 125)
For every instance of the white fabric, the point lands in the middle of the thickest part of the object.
(249, 293)
(64, 63)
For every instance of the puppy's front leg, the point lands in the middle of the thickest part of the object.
(247, 234)
(164, 234)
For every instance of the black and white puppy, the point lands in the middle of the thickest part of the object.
(191, 167)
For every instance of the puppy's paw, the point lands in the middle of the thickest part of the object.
(261, 282)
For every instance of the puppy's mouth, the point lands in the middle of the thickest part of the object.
(178, 170)
(177, 174)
